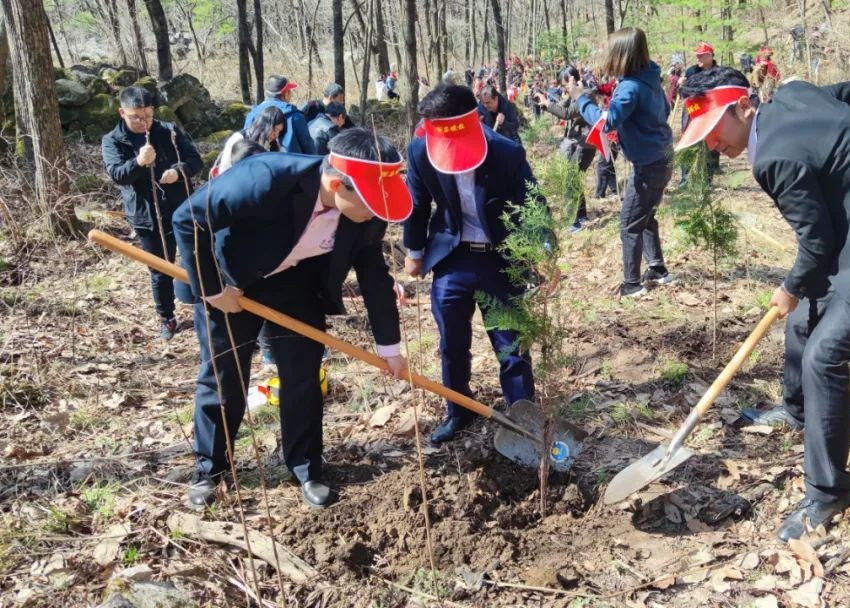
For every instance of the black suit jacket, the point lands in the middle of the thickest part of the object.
(802, 161)
(505, 175)
(250, 218)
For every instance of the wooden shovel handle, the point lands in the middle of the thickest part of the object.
(269, 314)
(737, 361)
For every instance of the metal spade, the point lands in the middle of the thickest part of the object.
(562, 452)
(663, 459)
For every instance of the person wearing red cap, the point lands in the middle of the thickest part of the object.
(798, 145)
(705, 61)
(285, 230)
(296, 137)
(471, 174)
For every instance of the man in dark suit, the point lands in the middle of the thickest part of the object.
(471, 174)
(798, 145)
(285, 229)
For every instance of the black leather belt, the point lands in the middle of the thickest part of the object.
(476, 247)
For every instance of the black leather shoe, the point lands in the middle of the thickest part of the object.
(316, 494)
(448, 428)
(202, 490)
(812, 511)
(777, 416)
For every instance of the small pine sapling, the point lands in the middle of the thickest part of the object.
(535, 314)
(703, 219)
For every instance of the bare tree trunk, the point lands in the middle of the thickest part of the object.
(367, 58)
(29, 45)
(381, 41)
(500, 43)
(409, 70)
(485, 38)
(4, 57)
(54, 43)
(339, 43)
(727, 32)
(137, 35)
(610, 24)
(110, 11)
(159, 24)
(243, 37)
(259, 76)
(565, 49)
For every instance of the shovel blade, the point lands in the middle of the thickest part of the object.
(566, 438)
(643, 472)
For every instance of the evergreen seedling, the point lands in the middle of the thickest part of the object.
(700, 215)
(535, 314)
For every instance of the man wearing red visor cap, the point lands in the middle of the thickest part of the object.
(285, 229)
(471, 174)
(798, 145)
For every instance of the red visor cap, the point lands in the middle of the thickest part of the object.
(456, 144)
(706, 111)
(379, 185)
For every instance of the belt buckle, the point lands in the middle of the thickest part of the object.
(478, 247)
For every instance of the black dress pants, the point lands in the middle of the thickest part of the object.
(816, 384)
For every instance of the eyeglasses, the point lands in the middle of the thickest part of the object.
(138, 118)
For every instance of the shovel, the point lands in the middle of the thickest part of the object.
(521, 441)
(663, 459)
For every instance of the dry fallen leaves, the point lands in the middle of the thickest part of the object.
(808, 594)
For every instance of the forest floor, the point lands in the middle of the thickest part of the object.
(96, 415)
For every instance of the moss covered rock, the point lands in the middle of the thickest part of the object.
(98, 86)
(72, 93)
(123, 77)
(148, 83)
(218, 137)
(166, 114)
(232, 117)
(62, 73)
(92, 120)
(209, 161)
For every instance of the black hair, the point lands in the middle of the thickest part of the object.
(447, 100)
(335, 108)
(702, 82)
(333, 90)
(135, 97)
(568, 71)
(359, 143)
(244, 148)
(264, 124)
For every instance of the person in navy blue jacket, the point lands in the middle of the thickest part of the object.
(638, 112)
(137, 145)
(471, 174)
(296, 137)
(285, 229)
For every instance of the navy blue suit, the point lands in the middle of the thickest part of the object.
(248, 221)
(505, 175)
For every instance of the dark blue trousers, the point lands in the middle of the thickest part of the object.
(162, 285)
(293, 292)
(456, 279)
(816, 383)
